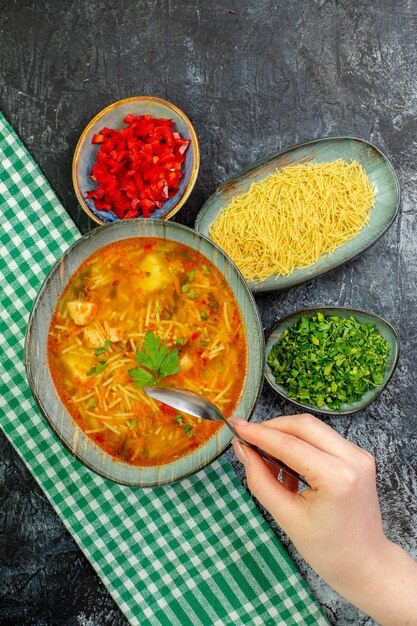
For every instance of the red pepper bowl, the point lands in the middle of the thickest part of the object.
(112, 117)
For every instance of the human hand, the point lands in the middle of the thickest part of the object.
(336, 525)
(338, 520)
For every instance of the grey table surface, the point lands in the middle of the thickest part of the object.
(254, 77)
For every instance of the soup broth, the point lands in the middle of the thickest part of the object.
(141, 311)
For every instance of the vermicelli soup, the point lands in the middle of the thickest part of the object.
(146, 311)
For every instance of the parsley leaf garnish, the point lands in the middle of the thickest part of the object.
(170, 364)
(141, 377)
(157, 362)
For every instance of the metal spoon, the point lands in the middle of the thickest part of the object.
(196, 405)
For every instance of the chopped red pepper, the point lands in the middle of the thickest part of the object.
(137, 168)
(97, 138)
(168, 409)
(183, 147)
(131, 214)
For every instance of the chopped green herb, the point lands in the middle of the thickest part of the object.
(91, 402)
(192, 294)
(132, 424)
(179, 341)
(97, 369)
(187, 428)
(328, 361)
(205, 339)
(185, 288)
(106, 345)
(191, 276)
(156, 360)
(158, 309)
(204, 315)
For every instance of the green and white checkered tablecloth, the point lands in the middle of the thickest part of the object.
(196, 553)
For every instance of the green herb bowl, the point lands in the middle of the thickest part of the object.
(385, 329)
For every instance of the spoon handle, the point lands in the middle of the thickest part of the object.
(271, 459)
(268, 457)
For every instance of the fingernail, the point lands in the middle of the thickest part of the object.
(237, 421)
(240, 451)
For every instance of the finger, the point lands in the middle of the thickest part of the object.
(301, 456)
(265, 486)
(313, 431)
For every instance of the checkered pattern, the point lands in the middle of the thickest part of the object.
(196, 553)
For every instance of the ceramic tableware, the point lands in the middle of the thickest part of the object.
(112, 117)
(384, 328)
(40, 379)
(378, 169)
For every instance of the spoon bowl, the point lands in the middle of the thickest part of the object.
(194, 404)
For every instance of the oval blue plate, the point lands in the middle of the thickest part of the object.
(112, 117)
(377, 167)
(43, 389)
(384, 328)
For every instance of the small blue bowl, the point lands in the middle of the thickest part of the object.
(112, 117)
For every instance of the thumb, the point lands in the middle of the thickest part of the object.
(265, 486)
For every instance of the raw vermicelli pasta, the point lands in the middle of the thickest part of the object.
(292, 217)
